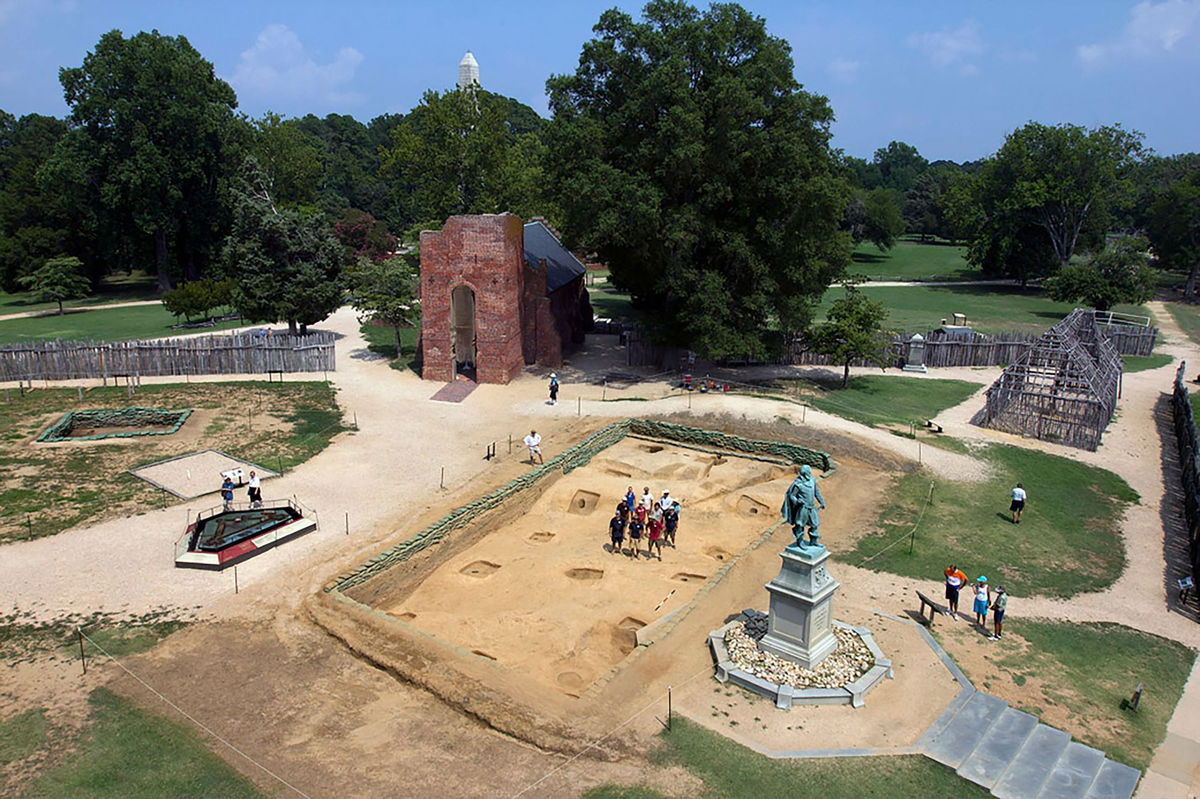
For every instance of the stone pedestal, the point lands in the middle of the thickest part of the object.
(916, 355)
(801, 615)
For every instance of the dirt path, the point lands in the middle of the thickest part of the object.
(77, 309)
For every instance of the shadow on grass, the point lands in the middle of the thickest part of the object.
(869, 258)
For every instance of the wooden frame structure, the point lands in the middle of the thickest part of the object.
(1063, 389)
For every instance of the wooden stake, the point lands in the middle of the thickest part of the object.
(82, 653)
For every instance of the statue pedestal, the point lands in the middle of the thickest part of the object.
(800, 619)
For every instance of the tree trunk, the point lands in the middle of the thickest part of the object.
(160, 260)
(1189, 288)
(846, 375)
(60, 308)
(303, 329)
(292, 326)
(399, 346)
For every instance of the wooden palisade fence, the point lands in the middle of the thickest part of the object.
(1189, 468)
(238, 353)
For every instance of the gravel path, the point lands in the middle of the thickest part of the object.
(77, 308)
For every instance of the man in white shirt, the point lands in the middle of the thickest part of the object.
(666, 503)
(1018, 503)
(647, 499)
(255, 490)
(534, 442)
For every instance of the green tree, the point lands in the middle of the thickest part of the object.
(683, 151)
(291, 158)
(199, 297)
(57, 280)
(151, 133)
(875, 216)
(1061, 178)
(1173, 228)
(286, 262)
(1121, 272)
(852, 330)
(387, 291)
(899, 165)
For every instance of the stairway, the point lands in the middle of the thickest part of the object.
(1015, 756)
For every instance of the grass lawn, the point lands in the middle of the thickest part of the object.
(381, 340)
(911, 259)
(613, 304)
(22, 735)
(276, 425)
(1140, 363)
(1074, 676)
(100, 324)
(1187, 316)
(1068, 541)
(731, 771)
(129, 753)
(114, 288)
(877, 400)
(989, 309)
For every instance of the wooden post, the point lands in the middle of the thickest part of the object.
(235, 579)
(29, 526)
(668, 708)
(347, 522)
(579, 406)
(442, 483)
(82, 653)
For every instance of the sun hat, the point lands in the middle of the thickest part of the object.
(981, 579)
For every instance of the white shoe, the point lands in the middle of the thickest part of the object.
(954, 616)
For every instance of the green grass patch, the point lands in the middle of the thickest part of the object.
(1068, 541)
(911, 259)
(1076, 675)
(25, 640)
(878, 400)
(1140, 363)
(101, 324)
(129, 753)
(22, 735)
(731, 771)
(114, 288)
(989, 309)
(381, 340)
(608, 302)
(1187, 316)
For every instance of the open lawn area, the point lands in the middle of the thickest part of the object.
(1141, 363)
(1075, 675)
(101, 324)
(879, 401)
(1068, 541)
(128, 753)
(1187, 316)
(114, 288)
(731, 771)
(613, 304)
(911, 259)
(381, 340)
(989, 309)
(53, 486)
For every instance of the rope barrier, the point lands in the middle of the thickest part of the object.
(912, 531)
(189, 717)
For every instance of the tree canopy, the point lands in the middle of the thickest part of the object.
(1120, 273)
(852, 330)
(685, 154)
(151, 130)
(59, 279)
(1173, 227)
(387, 291)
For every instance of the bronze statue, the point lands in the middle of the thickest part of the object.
(800, 508)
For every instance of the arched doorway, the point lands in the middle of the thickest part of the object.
(462, 330)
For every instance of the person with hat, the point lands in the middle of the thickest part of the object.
(616, 529)
(999, 605)
(666, 501)
(553, 388)
(981, 602)
(227, 492)
(671, 522)
(534, 442)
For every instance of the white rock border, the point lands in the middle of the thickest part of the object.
(785, 696)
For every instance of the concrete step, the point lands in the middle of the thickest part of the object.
(995, 752)
(1032, 764)
(1115, 781)
(1073, 774)
(964, 732)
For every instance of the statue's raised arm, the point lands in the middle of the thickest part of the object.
(800, 506)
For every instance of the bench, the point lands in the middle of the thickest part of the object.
(934, 609)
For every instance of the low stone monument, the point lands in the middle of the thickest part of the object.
(797, 658)
(915, 362)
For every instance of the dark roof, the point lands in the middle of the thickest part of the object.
(541, 245)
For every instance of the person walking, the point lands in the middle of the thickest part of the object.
(534, 442)
(553, 388)
(955, 580)
(616, 530)
(981, 602)
(1018, 503)
(254, 489)
(227, 492)
(999, 606)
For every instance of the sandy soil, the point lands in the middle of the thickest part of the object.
(193, 476)
(318, 713)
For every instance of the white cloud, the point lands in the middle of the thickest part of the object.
(278, 67)
(1153, 28)
(844, 69)
(951, 47)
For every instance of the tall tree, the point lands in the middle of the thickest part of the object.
(1061, 178)
(899, 165)
(853, 329)
(875, 216)
(151, 134)
(387, 291)
(291, 158)
(1121, 272)
(683, 151)
(35, 224)
(1173, 227)
(286, 262)
(57, 280)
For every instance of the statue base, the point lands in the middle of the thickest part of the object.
(801, 614)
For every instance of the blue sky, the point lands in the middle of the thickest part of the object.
(951, 77)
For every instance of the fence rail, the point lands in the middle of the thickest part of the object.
(1189, 467)
(238, 353)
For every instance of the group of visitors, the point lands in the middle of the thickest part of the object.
(253, 490)
(657, 521)
(984, 600)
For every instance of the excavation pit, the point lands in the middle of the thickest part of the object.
(94, 425)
